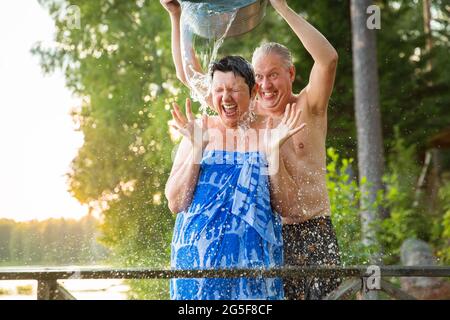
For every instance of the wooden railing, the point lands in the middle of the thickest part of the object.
(359, 277)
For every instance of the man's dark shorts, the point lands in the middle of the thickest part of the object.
(310, 243)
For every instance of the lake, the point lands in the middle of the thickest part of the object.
(86, 289)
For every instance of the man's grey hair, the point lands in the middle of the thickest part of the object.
(273, 47)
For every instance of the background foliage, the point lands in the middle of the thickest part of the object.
(119, 62)
(52, 241)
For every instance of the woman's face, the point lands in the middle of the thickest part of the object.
(231, 97)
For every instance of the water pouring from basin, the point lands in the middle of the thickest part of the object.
(211, 19)
(204, 26)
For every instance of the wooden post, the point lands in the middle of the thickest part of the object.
(368, 120)
(395, 292)
(47, 289)
(427, 30)
(346, 289)
(52, 290)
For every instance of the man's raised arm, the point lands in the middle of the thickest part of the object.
(325, 57)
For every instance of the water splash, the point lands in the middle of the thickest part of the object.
(204, 26)
(200, 43)
(247, 119)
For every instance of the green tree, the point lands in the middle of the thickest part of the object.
(407, 218)
(119, 63)
(51, 242)
(6, 227)
(16, 243)
(32, 239)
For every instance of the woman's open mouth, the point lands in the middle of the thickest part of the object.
(230, 110)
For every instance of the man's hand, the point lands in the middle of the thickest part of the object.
(172, 6)
(275, 138)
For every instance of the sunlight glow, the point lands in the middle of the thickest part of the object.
(37, 135)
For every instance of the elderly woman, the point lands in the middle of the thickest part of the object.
(219, 189)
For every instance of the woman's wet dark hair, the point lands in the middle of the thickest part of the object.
(239, 66)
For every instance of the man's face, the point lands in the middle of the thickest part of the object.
(275, 83)
(231, 97)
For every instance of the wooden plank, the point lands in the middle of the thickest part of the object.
(346, 289)
(52, 290)
(395, 292)
(46, 289)
(141, 273)
(63, 294)
(369, 294)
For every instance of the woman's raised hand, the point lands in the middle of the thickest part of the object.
(276, 137)
(187, 125)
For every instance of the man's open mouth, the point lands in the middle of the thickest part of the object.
(269, 95)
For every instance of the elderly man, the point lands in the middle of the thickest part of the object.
(308, 234)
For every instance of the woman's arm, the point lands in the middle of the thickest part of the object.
(183, 178)
(174, 9)
(188, 65)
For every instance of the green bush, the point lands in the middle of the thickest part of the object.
(344, 194)
(408, 216)
(154, 289)
(443, 233)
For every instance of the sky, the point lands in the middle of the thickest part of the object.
(37, 135)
